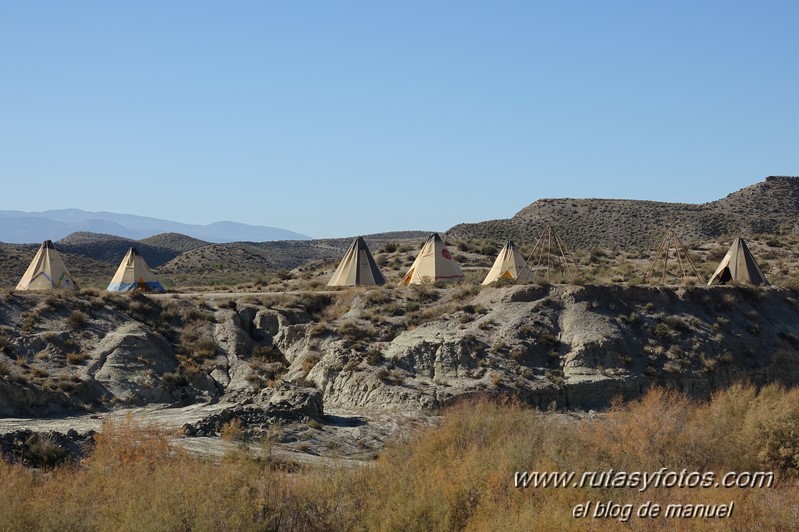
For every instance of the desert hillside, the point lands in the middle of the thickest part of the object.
(612, 241)
(771, 206)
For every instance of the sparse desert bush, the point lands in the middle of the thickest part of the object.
(708, 363)
(196, 342)
(232, 430)
(267, 353)
(465, 292)
(309, 362)
(53, 302)
(411, 306)
(204, 347)
(676, 323)
(431, 312)
(198, 314)
(319, 329)
(661, 330)
(28, 323)
(389, 247)
(354, 332)
(315, 303)
(76, 357)
(177, 378)
(498, 347)
(77, 319)
(632, 319)
(546, 338)
(486, 324)
(373, 356)
(378, 296)
(424, 293)
(43, 451)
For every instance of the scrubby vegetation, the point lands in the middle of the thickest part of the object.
(459, 475)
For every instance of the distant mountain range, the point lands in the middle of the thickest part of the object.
(29, 227)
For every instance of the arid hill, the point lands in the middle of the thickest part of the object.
(174, 241)
(280, 254)
(184, 261)
(771, 206)
(111, 249)
(15, 258)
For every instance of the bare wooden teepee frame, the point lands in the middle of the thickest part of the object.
(543, 255)
(671, 241)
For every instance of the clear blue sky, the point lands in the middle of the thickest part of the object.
(336, 118)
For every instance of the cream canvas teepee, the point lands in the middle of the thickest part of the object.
(738, 266)
(357, 268)
(46, 271)
(134, 274)
(433, 263)
(510, 264)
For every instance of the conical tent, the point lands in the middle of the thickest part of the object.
(46, 271)
(134, 274)
(433, 263)
(510, 264)
(357, 268)
(738, 266)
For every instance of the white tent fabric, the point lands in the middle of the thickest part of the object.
(434, 263)
(134, 274)
(738, 266)
(509, 264)
(357, 268)
(46, 271)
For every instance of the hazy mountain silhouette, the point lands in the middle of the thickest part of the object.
(24, 227)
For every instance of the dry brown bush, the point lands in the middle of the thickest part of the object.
(453, 477)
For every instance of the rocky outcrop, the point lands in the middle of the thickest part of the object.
(288, 403)
(232, 371)
(576, 346)
(131, 363)
(566, 346)
(23, 399)
(49, 449)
